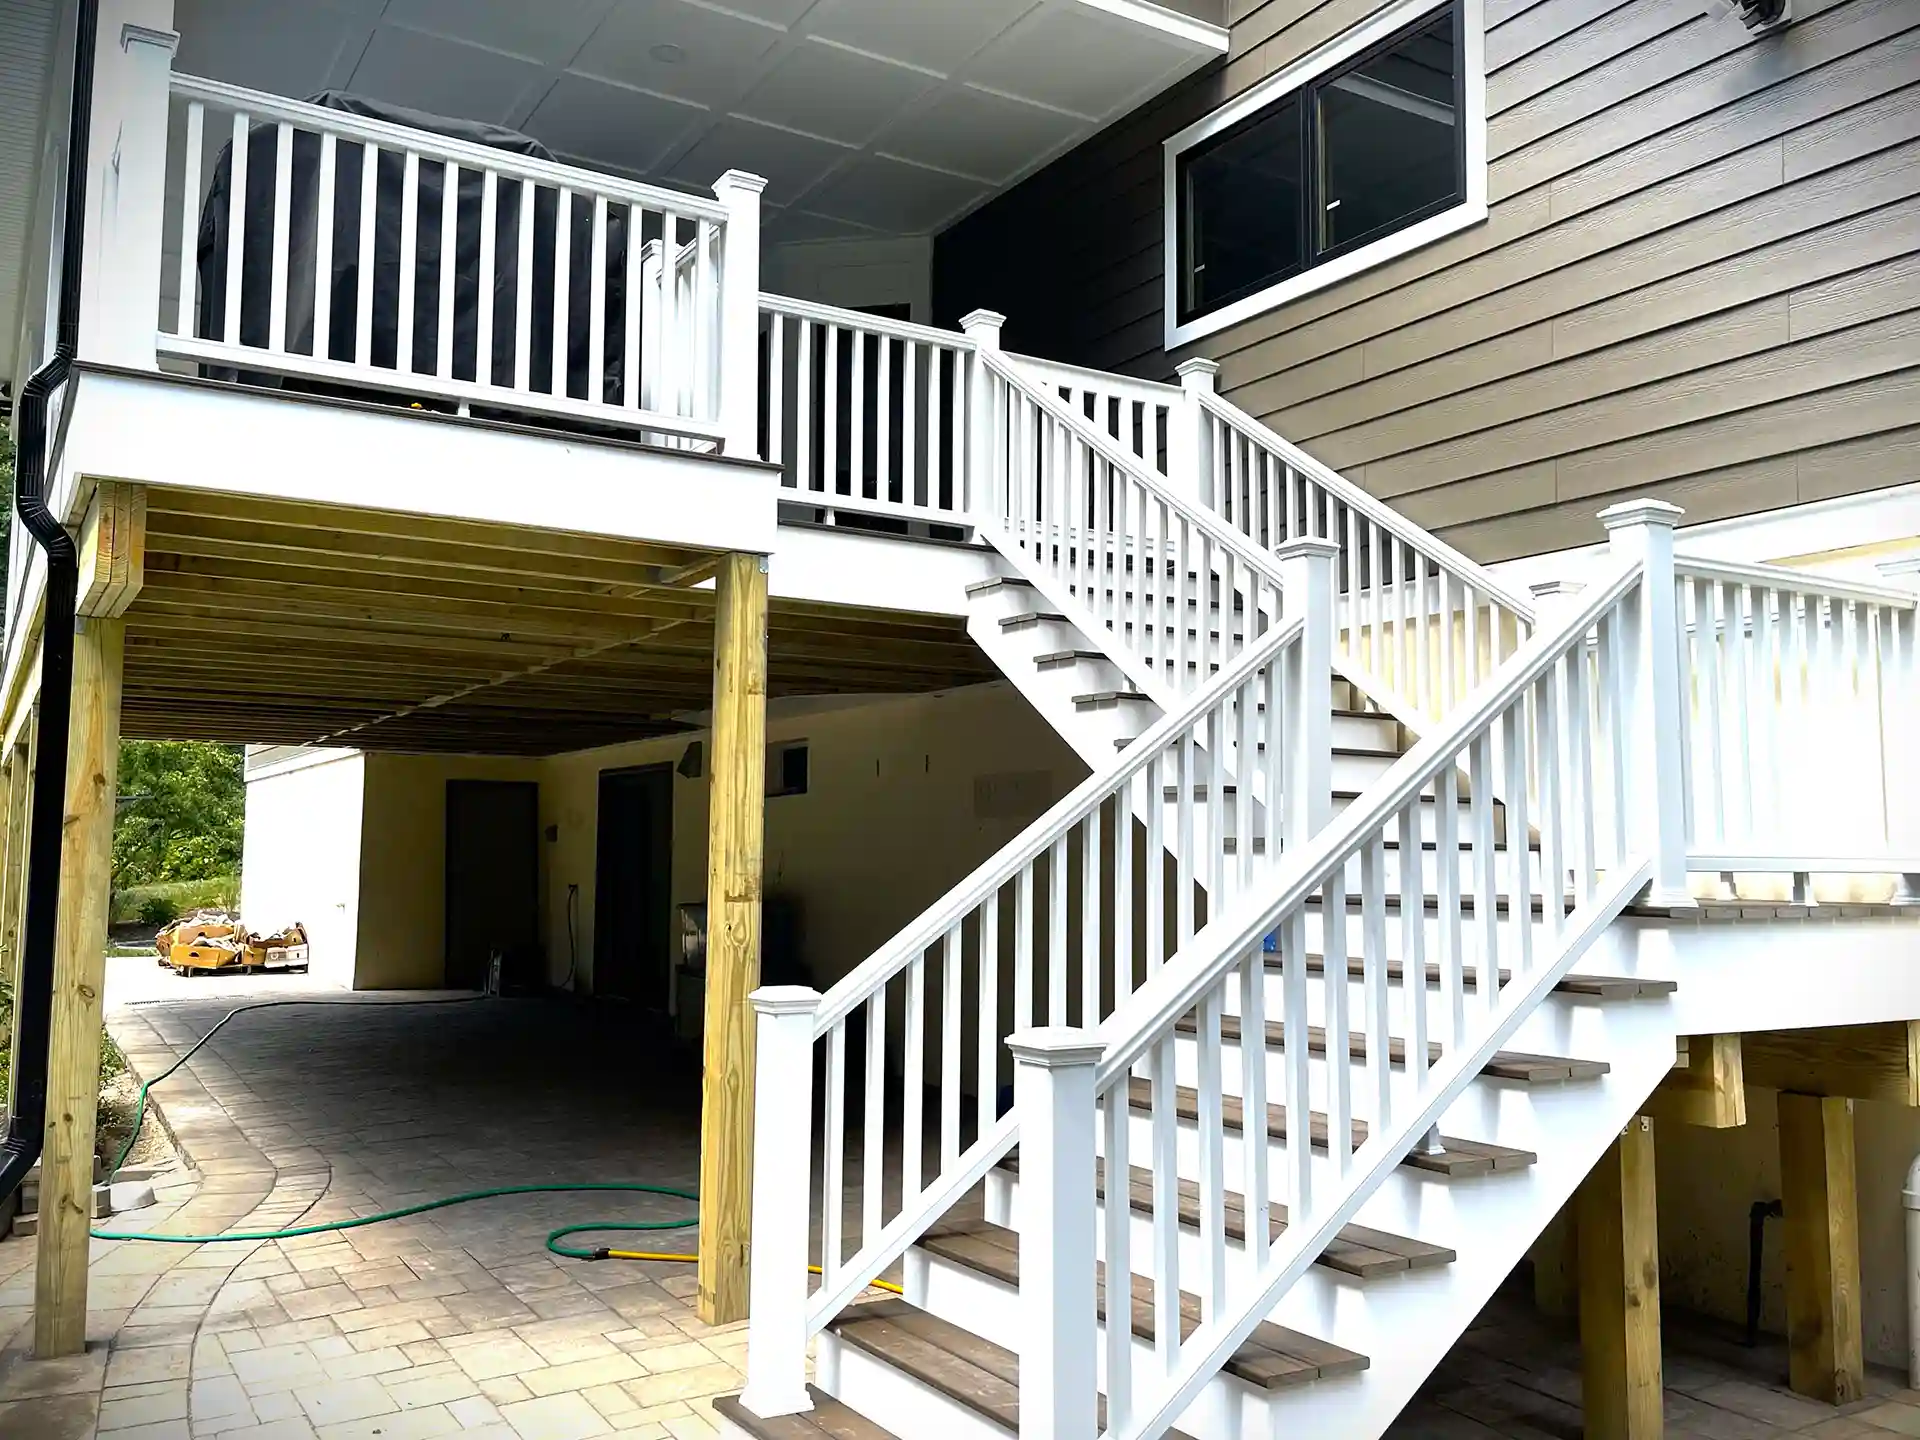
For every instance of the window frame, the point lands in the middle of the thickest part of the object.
(1387, 26)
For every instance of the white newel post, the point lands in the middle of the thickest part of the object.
(1053, 1069)
(1900, 702)
(1191, 464)
(983, 328)
(1654, 708)
(1306, 590)
(782, 1181)
(127, 189)
(740, 313)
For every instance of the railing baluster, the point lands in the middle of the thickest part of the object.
(1514, 733)
(1553, 854)
(1166, 1207)
(987, 1071)
(562, 293)
(1123, 890)
(1486, 882)
(324, 219)
(830, 414)
(834, 1154)
(1090, 1011)
(1057, 957)
(1413, 931)
(1446, 873)
(186, 322)
(1211, 1088)
(1187, 777)
(857, 424)
(873, 1130)
(776, 390)
(282, 238)
(706, 309)
(630, 330)
(409, 262)
(523, 291)
(236, 224)
(1297, 1061)
(597, 306)
(914, 1082)
(1156, 936)
(1023, 948)
(804, 478)
(1117, 1228)
(486, 298)
(915, 487)
(1373, 965)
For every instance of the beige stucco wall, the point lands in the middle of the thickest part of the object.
(1708, 1179)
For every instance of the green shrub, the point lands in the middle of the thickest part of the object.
(129, 904)
(158, 910)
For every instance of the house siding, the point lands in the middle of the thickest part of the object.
(1699, 277)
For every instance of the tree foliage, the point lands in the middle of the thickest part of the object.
(182, 812)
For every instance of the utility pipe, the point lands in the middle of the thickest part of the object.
(34, 1001)
(1910, 1197)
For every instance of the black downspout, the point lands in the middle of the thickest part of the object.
(26, 1126)
(1757, 1217)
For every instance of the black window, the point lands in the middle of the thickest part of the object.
(1353, 156)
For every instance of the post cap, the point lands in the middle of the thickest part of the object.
(982, 319)
(785, 1000)
(1054, 1047)
(740, 180)
(1307, 547)
(1548, 589)
(1640, 512)
(1197, 374)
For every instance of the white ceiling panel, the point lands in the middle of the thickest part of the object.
(986, 135)
(829, 99)
(793, 163)
(939, 37)
(835, 92)
(1075, 57)
(678, 49)
(893, 196)
(443, 77)
(627, 129)
(550, 32)
(787, 227)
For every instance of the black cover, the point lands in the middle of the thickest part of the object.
(303, 233)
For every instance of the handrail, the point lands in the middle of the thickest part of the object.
(1532, 721)
(386, 134)
(1380, 513)
(860, 983)
(1126, 1035)
(1800, 582)
(872, 324)
(1154, 391)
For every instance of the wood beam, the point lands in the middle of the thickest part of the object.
(1620, 1291)
(79, 978)
(736, 837)
(1821, 1233)
(113, 546)
(1708, 1089)
(1859, 1062)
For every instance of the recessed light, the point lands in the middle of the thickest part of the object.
(668, 54)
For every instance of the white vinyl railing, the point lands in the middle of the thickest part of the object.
(1422, 620)
(1102, 534)
(1140, 415)
(1800, 694)
(865, 416)
(1557, 724)
(332, 250)
(1044, 933)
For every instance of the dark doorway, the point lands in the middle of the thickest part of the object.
(633, 886)
(493, 881)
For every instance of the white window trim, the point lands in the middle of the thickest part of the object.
(1384, 24)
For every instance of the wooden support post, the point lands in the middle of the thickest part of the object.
(79, 978)
(1620, 1290)
(13, 879)
(1710, 1089)
(1820, 1231)
(735, 843)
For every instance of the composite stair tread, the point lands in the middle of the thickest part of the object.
(1505, 1065)
(957, 1363)
(828, 1420)
(1456, 1157)
(1601, 987)
(1358, 1250)
(1272, 1357)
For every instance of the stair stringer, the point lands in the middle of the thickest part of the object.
(1408, 1326)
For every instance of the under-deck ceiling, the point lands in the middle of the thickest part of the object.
(274, 622)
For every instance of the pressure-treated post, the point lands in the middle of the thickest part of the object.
(133, 67)
(1820, 1233)
(79, 978)
(1621, 1390)
(782, 1169)
(1653, 707)
(1189, 458)
(981, 498)
(1059, 1321)
(16, 916)
(736, 837)
(1306, 590)
(740, 314)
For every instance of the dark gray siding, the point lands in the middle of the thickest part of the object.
(1700, 278)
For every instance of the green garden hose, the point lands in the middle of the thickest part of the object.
(570, 1252)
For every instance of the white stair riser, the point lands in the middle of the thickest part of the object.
(892, 1399)
(989, 1308)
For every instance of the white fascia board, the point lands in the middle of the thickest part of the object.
(830, 566)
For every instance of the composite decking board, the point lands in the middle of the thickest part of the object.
(1272, 1356)
(1603, 987)
(828, 1420)
(1505, 1065)
(1455, 1158)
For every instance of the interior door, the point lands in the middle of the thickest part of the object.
(633, 886)
(493, 876)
